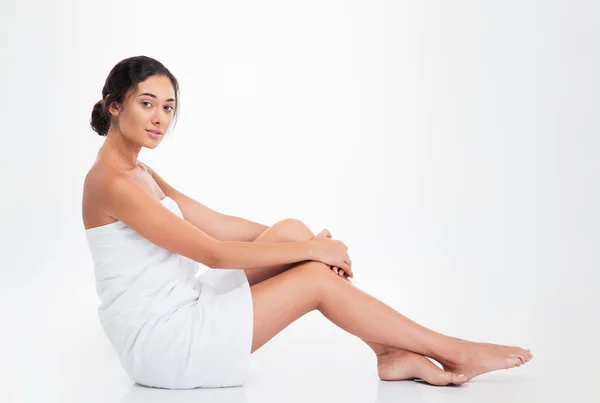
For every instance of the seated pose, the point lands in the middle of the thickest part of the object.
(172, 328)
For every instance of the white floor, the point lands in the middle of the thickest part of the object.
(48, 358)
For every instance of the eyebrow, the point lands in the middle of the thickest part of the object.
(154, 96)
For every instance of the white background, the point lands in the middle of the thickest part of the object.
(451, 145)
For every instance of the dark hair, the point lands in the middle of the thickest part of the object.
(127, 74)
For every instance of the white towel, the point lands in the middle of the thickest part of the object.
(170, 328)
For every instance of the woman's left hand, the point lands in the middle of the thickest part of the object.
(336, 269)
(341, 273)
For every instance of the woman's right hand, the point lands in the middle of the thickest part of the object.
(331, 252)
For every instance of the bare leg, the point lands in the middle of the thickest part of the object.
(392, 363)
(282, 299)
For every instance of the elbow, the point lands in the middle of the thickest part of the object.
(214, 259)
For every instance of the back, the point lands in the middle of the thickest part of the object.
(170, 328)
(138, 283)
(129, 269)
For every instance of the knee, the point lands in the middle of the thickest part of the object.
(318, 278)
(292, 229)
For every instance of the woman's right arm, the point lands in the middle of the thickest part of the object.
(250, 255)
(128, 202)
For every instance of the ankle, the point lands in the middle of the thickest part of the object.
(390, 354)
(455, 352)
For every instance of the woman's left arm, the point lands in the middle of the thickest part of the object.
(220, 226)
(241, 229)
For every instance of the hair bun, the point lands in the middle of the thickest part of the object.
(100, 121)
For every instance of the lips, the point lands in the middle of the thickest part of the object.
(155, 131)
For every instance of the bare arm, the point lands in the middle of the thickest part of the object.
(241, 229)
(220, 226)
(127, 201)
(250, 255)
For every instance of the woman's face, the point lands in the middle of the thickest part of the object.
(148, 108)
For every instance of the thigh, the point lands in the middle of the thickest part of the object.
(282, 231)
(281, 299)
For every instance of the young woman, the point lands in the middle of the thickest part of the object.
(173, 329)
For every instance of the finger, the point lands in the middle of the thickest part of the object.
(343, 274)
(339, 271)
(348, 270)
(324, 233)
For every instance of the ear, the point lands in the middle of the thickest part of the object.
(113, 108)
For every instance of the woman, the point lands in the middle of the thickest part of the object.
(174, 330)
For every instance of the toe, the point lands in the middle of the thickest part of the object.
(442, 378)
(512, 362)
(434, 375)
(458, 379)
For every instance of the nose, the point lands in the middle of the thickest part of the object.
(158, 117)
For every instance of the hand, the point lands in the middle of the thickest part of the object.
(341, 273)
(328, 251)
(325, 233)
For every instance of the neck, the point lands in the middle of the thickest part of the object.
(118, 151)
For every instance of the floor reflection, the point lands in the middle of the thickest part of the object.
(143, 394)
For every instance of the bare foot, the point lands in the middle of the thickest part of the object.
(479, 358)
(399, 365)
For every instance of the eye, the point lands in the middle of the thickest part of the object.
(168, 106)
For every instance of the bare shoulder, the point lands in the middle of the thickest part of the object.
(130, 202)
(97, 186)
(145, 168)
(161, 184)
(94, 185)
